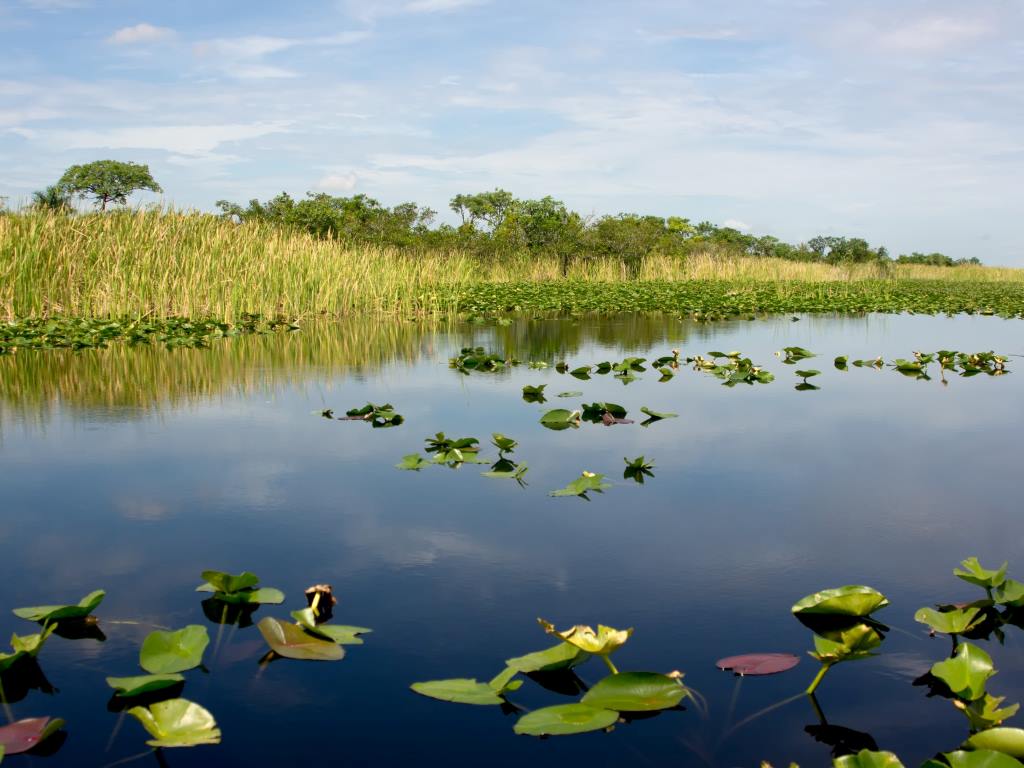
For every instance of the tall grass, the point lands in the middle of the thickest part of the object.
(172, 263)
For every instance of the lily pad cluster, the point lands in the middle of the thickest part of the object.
(732, 368)
(601, 707)
(378, 416)
(842, 624)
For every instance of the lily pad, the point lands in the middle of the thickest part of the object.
(986, 712)
(462, 691)
(413, 461)
(140, 684)
(561, 656)
(560, 418)
(570, 394)
(177, 723)
(966, 673)
(954, 622)
(165, 653)
(853, 600)
(584, 484)
(337, 633)
(25, 645)
(24, 735)
(1009, 741)
(848, 644)
(635, 692)
(1010, 592)
(756, 664)
(868, 759)
(982, 758)
(48, 613)
(294, 642)
(657, 415)
(973, 573)
(220, 581)
(565, 720)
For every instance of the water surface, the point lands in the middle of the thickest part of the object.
(134, 470)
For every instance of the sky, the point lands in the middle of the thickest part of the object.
(894, 120)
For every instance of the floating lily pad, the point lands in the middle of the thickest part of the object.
(221, 581)
(854, 600)
(658, 415)
(49, 613)
(413, 461)
(24, 735)
(570, 394)
(973, 573)
(460, 691)
(165, 653)
(966, 673)
(1010, 592)
(337, 633)
(755, 664)
(561, 656)
(565, 720)
(847, 644)
(140, 684)
(25, 646)
(177, 723)
(584, 484)
(982, 758)
(635, 692)
(954, 622)
(1009, 741)
(560, 418)
(293, 642)
(988, 712)
(868, 759)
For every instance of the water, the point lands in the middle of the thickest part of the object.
(134, 470)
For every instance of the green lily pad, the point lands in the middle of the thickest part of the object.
(847, 644)
(220, 581)
(177, 723)
(413, 461)
(337, 633)
(982, 758)
(656, 415)
(565, 720)
(294, 642)
(973, 573)
(581, 486)
(140, 684)
(986, 712)
(1009, 741)
(966, 673)
(868, 759)
(561, 656)
(560, 418)
(1010, 592)
(25, 645)
(635, 692)
(49, 613)
(853, 600)
(954, 622)
(462, 691)
(261, 596)
(165, 653)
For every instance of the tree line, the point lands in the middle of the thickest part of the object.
(491, 224)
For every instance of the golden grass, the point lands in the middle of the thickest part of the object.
(171, 263)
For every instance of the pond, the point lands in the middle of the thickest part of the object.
(133, 470)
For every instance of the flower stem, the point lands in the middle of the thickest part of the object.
(817, 679)
(611, 666)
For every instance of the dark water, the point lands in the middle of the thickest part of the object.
(134, 470)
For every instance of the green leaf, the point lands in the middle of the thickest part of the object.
(983, 758)
(954, 622)
(565, 720)
(853, 600)
(570, 394)
(226, 582)
(973, 573)
(560, 418)
(848, 644)
(503, 680)
(658, 415)
(1010, 592)
(294, 642)
(561, 656)
(1009, 741)
(140, 684)
(966, 673)
(581, 486)
(512, 472)
(460, 691)
(261, 596)
(164, 653)
(985, 712)
(807, 374)
(502, 443)
(635, 692)
(413, 461)
(48, 613)
(336, 633)
(177, 723)
(868, 759)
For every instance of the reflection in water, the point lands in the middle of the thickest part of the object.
(135, 470)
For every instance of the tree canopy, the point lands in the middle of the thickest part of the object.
(107, 181)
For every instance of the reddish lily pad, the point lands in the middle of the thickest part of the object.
(23, 735)
(759, 663)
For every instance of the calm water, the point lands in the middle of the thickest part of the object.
(134, 470)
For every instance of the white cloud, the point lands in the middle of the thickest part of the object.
(935, 34)
(337, 182)
(443, 6)
(241, 57)
(736, 224)
(179, 139)
(140, 33)
(51, 6)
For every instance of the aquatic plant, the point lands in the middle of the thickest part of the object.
(49, 613)
(379, 416)
(241, 589)
(502, 443)
(534, 394)
(636, 469)
(25, 735)
(413, 461)
(561, 418)
(584, 484)
(453, 451)
(293, 641)
(25, 646)
(177, 723)
(164, 653)
(653, 416)
(504, 469)
(732, 368)
(757, 664)
(791, 355)
(478, 359)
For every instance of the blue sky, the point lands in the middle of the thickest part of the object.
(897, 121)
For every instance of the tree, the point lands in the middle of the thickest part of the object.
(54, 198)
(107, 181)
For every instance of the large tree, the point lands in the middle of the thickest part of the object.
(107, 181)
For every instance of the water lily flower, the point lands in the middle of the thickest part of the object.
(604, 641)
